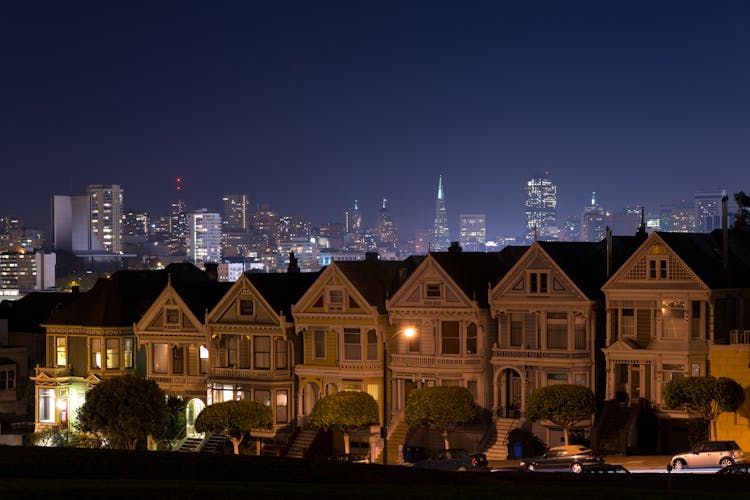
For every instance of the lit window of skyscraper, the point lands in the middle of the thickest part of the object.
(473, 232)
(541, 208)
(204, 237)
(106, 215)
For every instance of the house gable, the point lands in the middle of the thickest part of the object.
(333, 293)
(168, 313)
(655, 265)
(536, 276)
(430, 286)
(243, 304)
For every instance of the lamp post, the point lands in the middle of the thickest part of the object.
(409, 332)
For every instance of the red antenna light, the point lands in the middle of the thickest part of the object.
(179, 186)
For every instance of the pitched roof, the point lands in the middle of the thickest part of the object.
(203, 296)
(29, 312)
(476, 272)
(123, 298)
(703, 253)
(281, 290)
(378, 280)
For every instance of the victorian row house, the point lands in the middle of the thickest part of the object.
(621, 316)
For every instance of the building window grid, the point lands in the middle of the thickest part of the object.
(319, 344)
(262, 352)
(557, 330)
(352, 344)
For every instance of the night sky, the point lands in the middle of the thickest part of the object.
(309, 105)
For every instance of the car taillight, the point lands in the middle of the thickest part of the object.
(473, 461)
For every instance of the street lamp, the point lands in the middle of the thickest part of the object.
(408, 332)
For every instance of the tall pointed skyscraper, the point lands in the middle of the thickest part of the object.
(441, 240)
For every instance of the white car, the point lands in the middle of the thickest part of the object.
(709, 454)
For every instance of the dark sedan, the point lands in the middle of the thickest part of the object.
(563, 458)
(456, 460)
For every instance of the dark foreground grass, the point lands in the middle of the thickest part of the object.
(50, 473)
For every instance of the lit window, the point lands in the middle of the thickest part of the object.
(46, 405)
(96, 354)
(113, 354)
(161, 359)
(61, 351)
(127, 352)
(282, 407)
(203, 354)
(263, 397)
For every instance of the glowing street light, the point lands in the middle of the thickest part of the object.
(408, 332)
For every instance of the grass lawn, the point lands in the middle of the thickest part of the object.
(54, 473)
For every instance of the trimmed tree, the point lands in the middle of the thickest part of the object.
(234, 419)
(562, 405)
(124, 411)
(442, 407)
(707, 397)
(347, 412)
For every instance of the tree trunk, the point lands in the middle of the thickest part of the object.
(446, 442)
(565, 435)
(347, 446)
(712, 429)
(236, 443)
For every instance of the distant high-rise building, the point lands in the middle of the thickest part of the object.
(541, 208)
(677, 218)
(472, 232)
(441, 234)
(708, 211)
(332, 235)
(204, 237)
(422, 239)
(178, 227)
(135, 224)
(71, 225)
(594, 221)
(265, 224)
(386, 232)
(106, 215)
(234, 217)
(353, 219)
(292, 227)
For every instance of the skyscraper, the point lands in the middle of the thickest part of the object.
(541, 208)
(386, 232)
(178, 228)
(106, 215)
(204, 237)
(441, 235)
(234, 215)
(353, 219)
(594, 221)
(472, 232)
(708, 211)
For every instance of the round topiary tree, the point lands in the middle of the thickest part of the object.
(347, 412)
(563, 405)
(441, 407)
(234, 419)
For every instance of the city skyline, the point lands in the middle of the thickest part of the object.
(310, 106)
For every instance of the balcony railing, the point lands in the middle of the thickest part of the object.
(247, 373)
(360, 365)
(538, 354)
(419, 360)
(741, 337)
(185, 380)
(53, 372)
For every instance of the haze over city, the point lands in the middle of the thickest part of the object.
(308, 106)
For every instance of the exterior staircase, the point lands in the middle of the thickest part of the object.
(611, 433)
(497, 445)
(396, 437)
(189, 444)
(213, 443)
(302, 443)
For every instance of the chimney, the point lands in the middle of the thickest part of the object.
(293, 266)
(454, 248)
(212, 270)
(724, 235)
(608, 240)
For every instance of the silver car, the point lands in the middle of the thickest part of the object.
(709, 454)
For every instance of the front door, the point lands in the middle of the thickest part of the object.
(512, 398)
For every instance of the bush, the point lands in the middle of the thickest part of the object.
(532, 445)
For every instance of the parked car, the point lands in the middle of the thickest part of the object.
(604, 469)
(455, 459)
(742, 468)
(709, 454)
(571, 457)
(350, 458)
